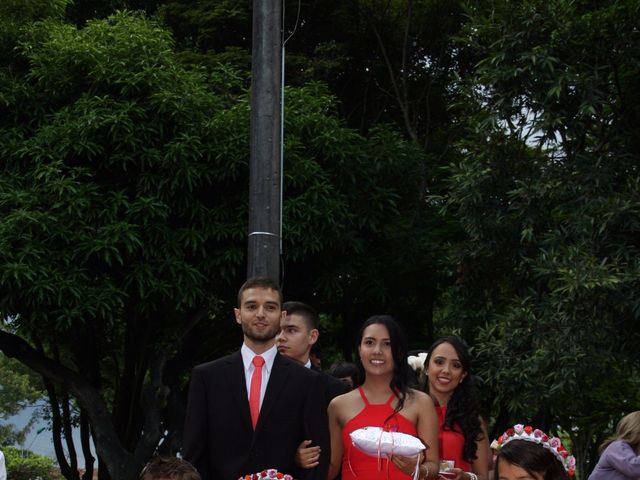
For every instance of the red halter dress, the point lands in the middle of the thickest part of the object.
(359, 465)
(451, 442)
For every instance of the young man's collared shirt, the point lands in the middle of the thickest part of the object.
(247, 359)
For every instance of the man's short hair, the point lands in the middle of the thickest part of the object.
(259, 282)
(307, 312)
(169, 468)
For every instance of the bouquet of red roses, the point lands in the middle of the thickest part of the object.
(269, 474)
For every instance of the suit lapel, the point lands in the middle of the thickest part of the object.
(238, 386)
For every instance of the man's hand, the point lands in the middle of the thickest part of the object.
(306, 456)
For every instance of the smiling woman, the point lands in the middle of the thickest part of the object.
(384, 400)
(463, 442)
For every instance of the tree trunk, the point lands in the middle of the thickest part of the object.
(120, 463)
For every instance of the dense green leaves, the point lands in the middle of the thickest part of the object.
(19, 387)
(510, 216)
(23, 465)
(123, 206)
(547, 193)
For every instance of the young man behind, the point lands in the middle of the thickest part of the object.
(298, 333)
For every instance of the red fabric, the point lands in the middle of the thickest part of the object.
(359, 465)
(254, 392)
(451, 442)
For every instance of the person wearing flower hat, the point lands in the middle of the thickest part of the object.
(525, 453)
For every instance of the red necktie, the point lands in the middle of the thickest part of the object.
(254, 391)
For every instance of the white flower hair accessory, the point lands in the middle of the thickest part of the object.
(416, 362)
(553, 444)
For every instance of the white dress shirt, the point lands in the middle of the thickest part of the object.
(247, 359)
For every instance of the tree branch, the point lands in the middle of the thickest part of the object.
(107, 442)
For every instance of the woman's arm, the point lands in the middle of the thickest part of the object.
(480, 466)
(335, 435)
(427, 427)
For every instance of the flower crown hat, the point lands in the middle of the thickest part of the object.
(268, 474)
(553, 444)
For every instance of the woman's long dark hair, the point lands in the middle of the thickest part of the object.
(533, 458)
(400, 380)
(463, 409)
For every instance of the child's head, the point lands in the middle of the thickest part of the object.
(628, 429)
(169, 468)
(528, 454)
(524, 460)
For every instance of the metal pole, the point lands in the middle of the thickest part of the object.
(265, 170)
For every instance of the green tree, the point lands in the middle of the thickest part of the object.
(123, 206)
(389, 62)
(110, 225)
(19, 388)
(547, 193)
(22, 465)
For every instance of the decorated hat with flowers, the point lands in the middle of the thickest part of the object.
(268, 474)
(553, 444)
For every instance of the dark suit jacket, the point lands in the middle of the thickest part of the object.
(333, 387)
(218, 437)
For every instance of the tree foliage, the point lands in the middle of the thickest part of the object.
(19, 388)
(110, 223)
(123, 199)
(389, 62)
(22, 465)
(547, 192)
(385, 61)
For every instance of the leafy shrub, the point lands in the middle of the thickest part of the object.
(26, 465)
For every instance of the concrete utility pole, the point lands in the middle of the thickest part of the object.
(265, 176)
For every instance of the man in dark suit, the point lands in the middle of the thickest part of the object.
(227, 396)
(299, 331)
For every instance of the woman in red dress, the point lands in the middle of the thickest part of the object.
(383, 400)
(462, 435)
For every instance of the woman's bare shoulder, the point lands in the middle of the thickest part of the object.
(345, 406)
(421, 398)
(344, 400)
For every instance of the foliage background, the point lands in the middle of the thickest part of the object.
(469, 167)
(23, 465)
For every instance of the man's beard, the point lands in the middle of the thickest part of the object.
(263, 337)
